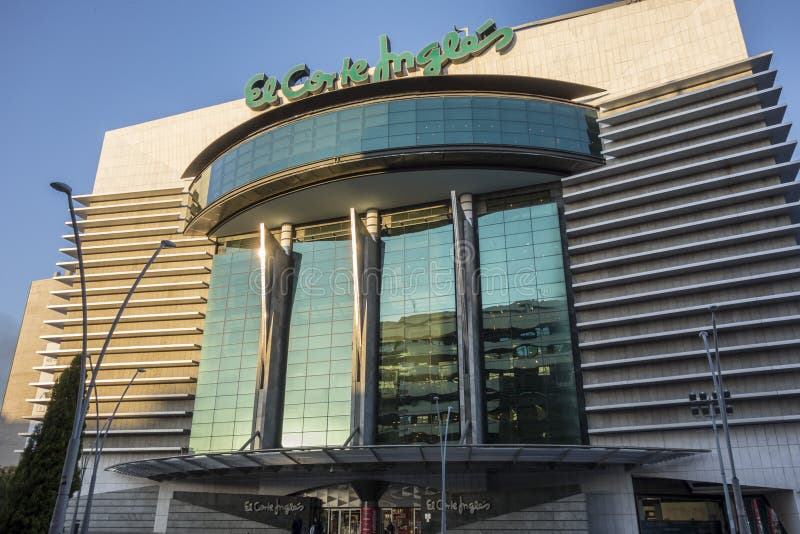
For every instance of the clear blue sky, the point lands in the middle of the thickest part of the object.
(72, 70)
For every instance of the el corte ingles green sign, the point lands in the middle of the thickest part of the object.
(261, 91)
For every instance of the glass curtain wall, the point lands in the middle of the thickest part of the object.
(319, 362)
(226, 382)
(418, 345)
(531, 393)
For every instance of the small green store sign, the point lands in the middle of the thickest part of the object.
(261, 91)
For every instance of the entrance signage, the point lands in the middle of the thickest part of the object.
(459, 505)
(261, 91)
(277, 511)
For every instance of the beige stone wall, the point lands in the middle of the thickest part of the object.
(160, 330)
(15, 408)
(622, 49)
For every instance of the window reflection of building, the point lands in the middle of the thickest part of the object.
(319, 363)
(418, 347)
(531, 394)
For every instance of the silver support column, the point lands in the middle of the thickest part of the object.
(276, 304)
(470, 362)
(366, 302)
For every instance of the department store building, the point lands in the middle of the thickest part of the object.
(509, 239)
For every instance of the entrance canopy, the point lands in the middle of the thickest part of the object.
(387, 456)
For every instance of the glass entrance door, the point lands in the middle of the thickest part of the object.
(342, 520)
(401, 520)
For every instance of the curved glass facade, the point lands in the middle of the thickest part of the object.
(403, 123)
(527, 352)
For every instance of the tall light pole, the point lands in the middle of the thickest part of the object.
(443, 454)
(84, 396)
(73, 446)
(744, 524)
(100, 442)
(703, 399)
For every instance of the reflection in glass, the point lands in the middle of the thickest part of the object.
(226, 382)
(319, 363)
(406, 122)
(531, 394)
(418, 345)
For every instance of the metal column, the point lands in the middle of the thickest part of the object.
(366, 295)
(277, 279)
(470, 361)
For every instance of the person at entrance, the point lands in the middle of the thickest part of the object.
(389, 528)
(316, 527)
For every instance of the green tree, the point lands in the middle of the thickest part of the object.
(33, 487)
(6, 474)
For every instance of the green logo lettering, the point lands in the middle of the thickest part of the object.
(356, 73)
(261, 91)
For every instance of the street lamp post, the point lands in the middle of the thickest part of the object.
(716, 377)
(703, 398)
(100, 442)
(84, 395)
(443, 451)
(73, 446)
(744, 524)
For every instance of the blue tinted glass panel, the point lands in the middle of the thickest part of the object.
(418, 348)
(319, 363)
(531, 395)
(225, 395)
(409, 122)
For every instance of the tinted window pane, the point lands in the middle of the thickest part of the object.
(531, 396)
(407, 122)
(418, 354)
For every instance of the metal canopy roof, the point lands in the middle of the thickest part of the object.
(276, 460)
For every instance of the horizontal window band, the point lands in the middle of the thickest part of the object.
(769, 116)
(760, 300)
(764, 95)
(147, 317)
(667, 403)
(121, 350)
(644, 360)
(128, 398)
(695, 425)
(90, 250)
(125, 381)
(126, 415)
(752, 280)
(183, 331)
(686, 248)
(139, 205)
(679, 229)
(129, 219)
(732, 373)
(655, 336)
(777, 134)
(761, 78)
(110, 366)
(192, 270)
(169, 286)
(133, 303)
(787, 188)
(136, 260)
(122, 234)
(785, 171)
(781, 151)
(700, 266)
